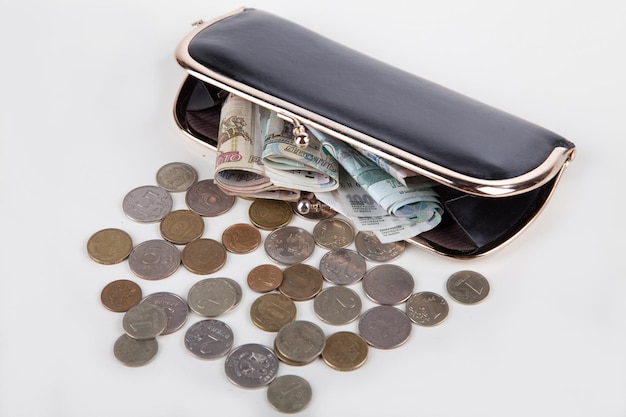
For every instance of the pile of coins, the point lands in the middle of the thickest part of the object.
(296, 342)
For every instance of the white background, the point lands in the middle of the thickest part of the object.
(86, 94)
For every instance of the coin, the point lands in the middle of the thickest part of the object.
(385, 327)
(203, 256)
(337, 305)
(269, 214)
(333, 233)
(174, 306)
(144, 321)
(251, 365)
(109, 246)
(289, 393)
(265, 278)
(427, 308)
(241, 238)
(388, 284)
(345, 351)
(209, 339)
(289, 245)
(120, 295)
(272, 311)
(368, 245)
(181, 227)
(299, 342)
(176, 176)
(342, 266)
(468, 287)
(301, 282)
(207, 199)
(236, 287)
(212, 297)
(154, 259)
(147, 204)
(133, 352)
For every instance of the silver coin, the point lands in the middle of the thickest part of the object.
(147, 204)
(134, 353)
(342, 266)
(289, 393)
(388, 284)
(154, 259)
(300, 342)
(212, 297)
(427, 308)
(174, 306)
(237, 288)
(468, 287)
(337, 305)
(207, 199)
(176, 176)
(251, 365)
(289, 245)
(209, 339)
(144, 321)
(385, 327)
(368, 245)
(333, 233)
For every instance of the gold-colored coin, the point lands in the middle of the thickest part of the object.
(265, 278)
(272, 311)
(345, 351)
(182, 226)
(301, 282)
(203, 256)
(241, 238)
(120, 295)
(109, 246)
(270, 214)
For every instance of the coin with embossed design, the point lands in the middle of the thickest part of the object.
(299, 342)
(203, 256)
(337, 305)
(289, 393)
(272, 311)
(265, 278)
(342, 266)
(301, 282)
(181, 227)
(209, 339)
(144, 321)
(148, 203)
(132, 352)
(427, 308)
(154, 259)
(289, 245)
(345, 351)
(467, 287)
(368, 245)
(251, 365)
(174, 306)
(333, 233)
(176, 176)
(207, 199)
(212, 297)
(385, 327)
(269, 214)
(109, 246)
(120, 295)
(388, 284)
(241, 238)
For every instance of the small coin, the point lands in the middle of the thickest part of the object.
(289, 245)
(207, 199)
(342, 266)
(181, 227)
(203, 256)
(241, 238)
(148, 203)
(269, 214)
(176, 176)
(212, 297)
(174, 306)
(333, 233)
(299, 342)
(272, 311)
(345, 351)
(289, 393)
(301, 282)
(337, 305)
(154, 259)
(109, 246)
(120, 295)
(265, 278)
(144, 321)
(133, 352)
(368, 245)
(427, 308)
(385, 327)
(468, 287)
(388, 284)
(209, 339)
(251, 365)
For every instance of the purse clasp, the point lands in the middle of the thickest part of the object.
(299, 133)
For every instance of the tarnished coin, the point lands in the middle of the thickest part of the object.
(289, 393)
(251, 365)
(468, 287)
(345, 351)
(207, 199)
(269, 214)
(333, 233)
(133, 352)
(272, 311)
(299, 342)
(203, 256)
(212, 297)
(209, 339)
(147, 204)
(301, 282)
(427, 308)
(385, 327)
(154, 259)
(241, 238)
(265, 278)
(368, 245)
(174, 306)
(289, 245)
(342, 266)
(109, 246)
(388, 284)
(182, 226)
(337, 305)
(176, 176)
(144, 321)
(120, 295)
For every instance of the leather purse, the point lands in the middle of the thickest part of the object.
(494, 171)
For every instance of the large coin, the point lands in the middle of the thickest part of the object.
(174, 306)
(120, 295)
(289, 245)
(345, 351)
(385, 327)
(289, 393)
(272, 311)
(337, 305)
(109, 246)
(203, 256)
(154, 259)
(269, 214)
(241, 238)
(427, 308)
(148, 203)
(468, 287)
(333, 233)
(388, 284)
(134, 353)
(212, 297)
(368, 245)
(265, 278)
(181, 227)
(301, 282)
(342, 266)
(251, 365)
(176, 176)
(207, 199)
(209, 339)
(299, 342)
(144, 321)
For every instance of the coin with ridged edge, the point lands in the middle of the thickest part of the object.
(333, 233)
(109, 246)
(289, 393)
(301, 282)
(289, 245)
(345, 351)
(241, 238)
(269, 214)
(203, 256)
(120, 295)
(176, 176)
(427, 308)
(251, 365)
(181, 227)
(270, 312)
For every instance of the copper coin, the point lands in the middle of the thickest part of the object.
(301, 282)
(109, 246)
(182, 226)
(241, 238)
(120, 295)
(265, 278)
(345, 351)
(272, 311)
(204, 256)
(270, 214)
